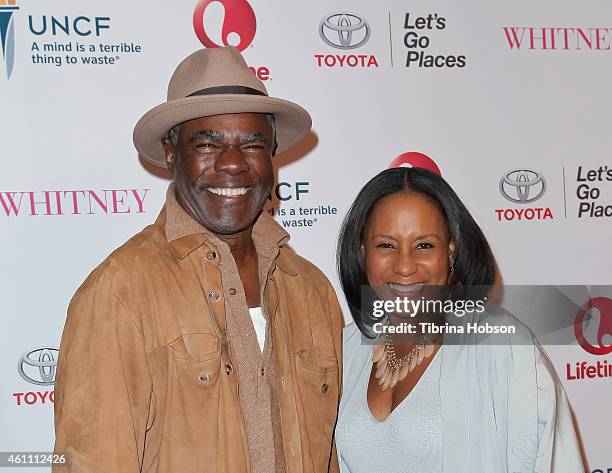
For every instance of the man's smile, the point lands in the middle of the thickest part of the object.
(229, 191)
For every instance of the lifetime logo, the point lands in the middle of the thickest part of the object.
(237, 27)
(345, 31)
(414, 159)
(593, 330)
(595, 312)
(523, 186)
(7, 34)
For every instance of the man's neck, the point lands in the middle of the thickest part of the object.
(241, 245)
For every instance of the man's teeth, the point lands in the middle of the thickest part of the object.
(405, 288)
(228, 191)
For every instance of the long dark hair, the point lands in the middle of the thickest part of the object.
(474, 264)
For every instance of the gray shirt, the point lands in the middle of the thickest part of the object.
(409, 440)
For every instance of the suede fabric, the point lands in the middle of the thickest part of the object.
(159, 368)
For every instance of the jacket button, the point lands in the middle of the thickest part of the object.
(232, 291)
(324, 388)
(211, 255)
(229, 369)
(205, 378)
(213, 295)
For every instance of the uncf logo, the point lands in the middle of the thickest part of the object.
(237, 28)
(594, 316)
(7, 34)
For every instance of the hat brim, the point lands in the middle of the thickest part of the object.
(292, 121)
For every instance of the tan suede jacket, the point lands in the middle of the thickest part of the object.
(145, 379)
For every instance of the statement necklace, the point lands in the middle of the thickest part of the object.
(390, 369)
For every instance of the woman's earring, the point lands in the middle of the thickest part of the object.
(452, 268)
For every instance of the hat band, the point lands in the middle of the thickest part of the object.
(228, 89)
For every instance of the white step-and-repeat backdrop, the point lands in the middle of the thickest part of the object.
(487, 90)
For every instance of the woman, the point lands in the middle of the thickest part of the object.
(431, 402)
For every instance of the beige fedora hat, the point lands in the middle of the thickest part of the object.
(216, 81)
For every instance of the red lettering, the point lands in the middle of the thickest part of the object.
(547, 213)
(30, 398)
(263, 73)
(58, 201)
(18, 396)
(11, 202)
(509, 214)
(600, 35)
(103, 205)
(117, 201)
(46, 202)
(529, 214)
(341, 60)
(75, 204)
(499, 214)
(514, 41)
(140, 200)
(533, 38)
(566, 36)
(588, 41)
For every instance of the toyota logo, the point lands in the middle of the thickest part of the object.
(344, 30)
(522, 186)
(38, 366)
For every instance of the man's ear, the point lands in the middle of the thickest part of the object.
(170, 152)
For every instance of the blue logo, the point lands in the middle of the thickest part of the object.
(7, 34)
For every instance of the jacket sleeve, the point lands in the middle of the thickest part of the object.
(558, 448)
(103, 389)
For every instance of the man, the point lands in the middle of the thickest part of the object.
(204, 344)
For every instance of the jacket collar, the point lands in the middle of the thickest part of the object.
(185, 235)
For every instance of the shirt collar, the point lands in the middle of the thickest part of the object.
(186, 235)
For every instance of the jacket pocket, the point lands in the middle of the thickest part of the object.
(319, 385)
(196, 346)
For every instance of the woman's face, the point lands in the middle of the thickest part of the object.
(406, 245)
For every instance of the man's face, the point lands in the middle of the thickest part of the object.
(222, 168)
